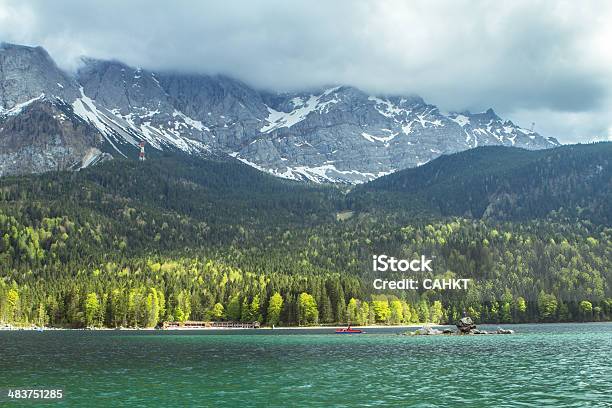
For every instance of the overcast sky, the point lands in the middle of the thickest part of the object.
(547, 62)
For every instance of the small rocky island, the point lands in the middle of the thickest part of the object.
(465, 326)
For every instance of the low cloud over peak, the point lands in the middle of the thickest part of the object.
(543, 62)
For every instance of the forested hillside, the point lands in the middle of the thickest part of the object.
(128, 243)
(503, 183)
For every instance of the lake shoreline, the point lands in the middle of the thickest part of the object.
(266, 328)
(35, 328)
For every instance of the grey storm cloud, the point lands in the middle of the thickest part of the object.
(547, 62)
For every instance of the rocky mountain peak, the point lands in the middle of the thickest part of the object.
(490, 113)
(27, 73)
(333, 134)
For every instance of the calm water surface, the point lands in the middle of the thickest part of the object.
(555, 365)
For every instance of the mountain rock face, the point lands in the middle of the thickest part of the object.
(47, 136)
(28, 73)
(336, 134)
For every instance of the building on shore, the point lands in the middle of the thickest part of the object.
(192, 324)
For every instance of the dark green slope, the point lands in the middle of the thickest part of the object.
(212, 188)
(502, 183)
(181, 200)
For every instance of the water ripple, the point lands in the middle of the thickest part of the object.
(542, 365)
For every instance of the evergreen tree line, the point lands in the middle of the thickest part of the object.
(145, 293)
(134, 244)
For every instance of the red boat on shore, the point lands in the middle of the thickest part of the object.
(349, 330)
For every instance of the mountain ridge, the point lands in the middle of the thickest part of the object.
(338, 134)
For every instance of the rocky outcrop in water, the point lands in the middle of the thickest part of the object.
(465, 326)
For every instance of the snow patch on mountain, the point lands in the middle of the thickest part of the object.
(424, 115)
(196, 124)
(16, 110)
(302, 108)
(461, 120)
(87, 110)
(382, 139)
(327, 173)
(117, 128)
(387, 108)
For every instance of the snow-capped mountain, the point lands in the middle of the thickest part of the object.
(49, 120)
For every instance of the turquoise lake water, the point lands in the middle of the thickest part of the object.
(554, 365)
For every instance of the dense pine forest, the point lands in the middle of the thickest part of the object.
(133, 244)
